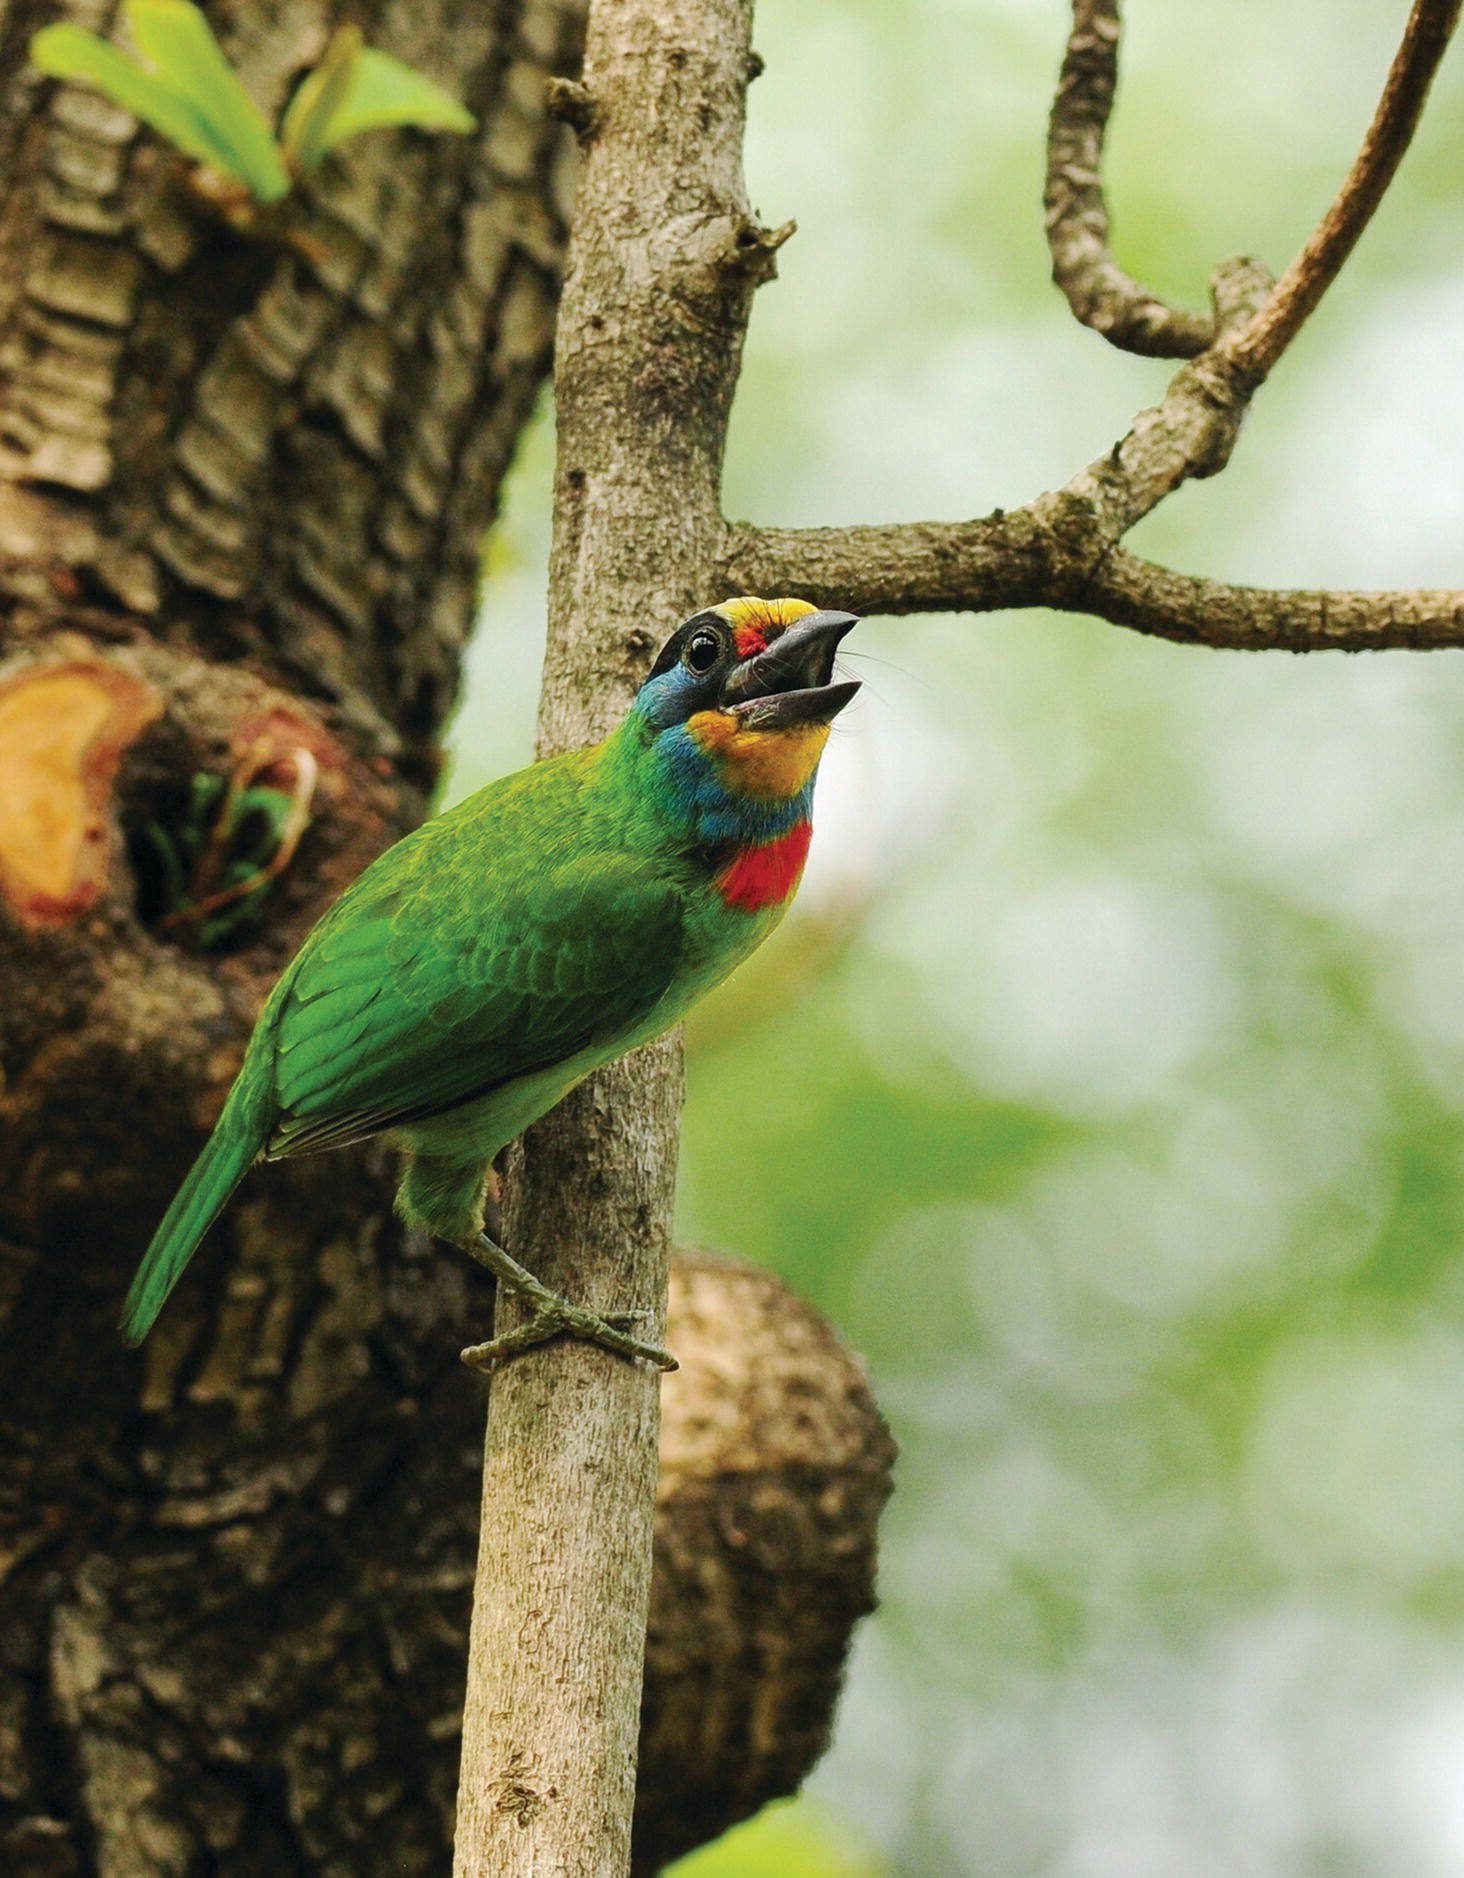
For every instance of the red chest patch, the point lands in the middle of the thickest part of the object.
(765, 876)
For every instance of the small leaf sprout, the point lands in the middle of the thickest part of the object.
(182, 85)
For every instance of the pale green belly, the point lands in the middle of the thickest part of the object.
(477, 1129)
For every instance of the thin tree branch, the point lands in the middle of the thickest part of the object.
(1098, 290)
(1130, 591)
(1255, 349)
(1050, 554)
(893, 567)
(1042, 553)
(663, 262)
(1192, 431)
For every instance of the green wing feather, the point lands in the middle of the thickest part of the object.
(395, 1013)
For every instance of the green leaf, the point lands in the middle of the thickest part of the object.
(386, 92)
(64, 51)
(318, 97)
(173, 36)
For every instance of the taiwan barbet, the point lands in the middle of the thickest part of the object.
(559, 917)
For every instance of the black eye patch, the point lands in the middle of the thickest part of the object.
(671, 653)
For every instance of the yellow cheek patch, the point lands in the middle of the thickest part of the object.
(770, 763)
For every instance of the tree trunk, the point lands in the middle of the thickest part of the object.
(243, 484)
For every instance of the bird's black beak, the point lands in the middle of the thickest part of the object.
(788, 682)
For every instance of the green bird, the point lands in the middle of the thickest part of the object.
(476, 971)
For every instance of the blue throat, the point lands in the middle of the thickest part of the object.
(701, 803)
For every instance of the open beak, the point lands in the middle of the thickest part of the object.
(788, 682)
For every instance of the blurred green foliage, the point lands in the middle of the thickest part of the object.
(792, 1840)
(1106, 1085)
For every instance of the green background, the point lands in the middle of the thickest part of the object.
(1105, 1086)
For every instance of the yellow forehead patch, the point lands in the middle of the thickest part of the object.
(754, 622)
(767, 763)
(750, 611)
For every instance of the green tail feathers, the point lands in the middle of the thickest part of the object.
(196, 1205)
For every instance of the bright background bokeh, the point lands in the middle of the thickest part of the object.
(1108, 1085)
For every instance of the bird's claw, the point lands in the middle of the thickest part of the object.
(554, 1316)
(563, 1319)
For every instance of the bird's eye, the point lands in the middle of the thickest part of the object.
(703, 649)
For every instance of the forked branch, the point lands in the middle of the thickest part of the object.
(1062, 550)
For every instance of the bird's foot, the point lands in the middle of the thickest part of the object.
(569, 1320)
(555, 1316)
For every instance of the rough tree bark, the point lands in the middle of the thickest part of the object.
(242, 491)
